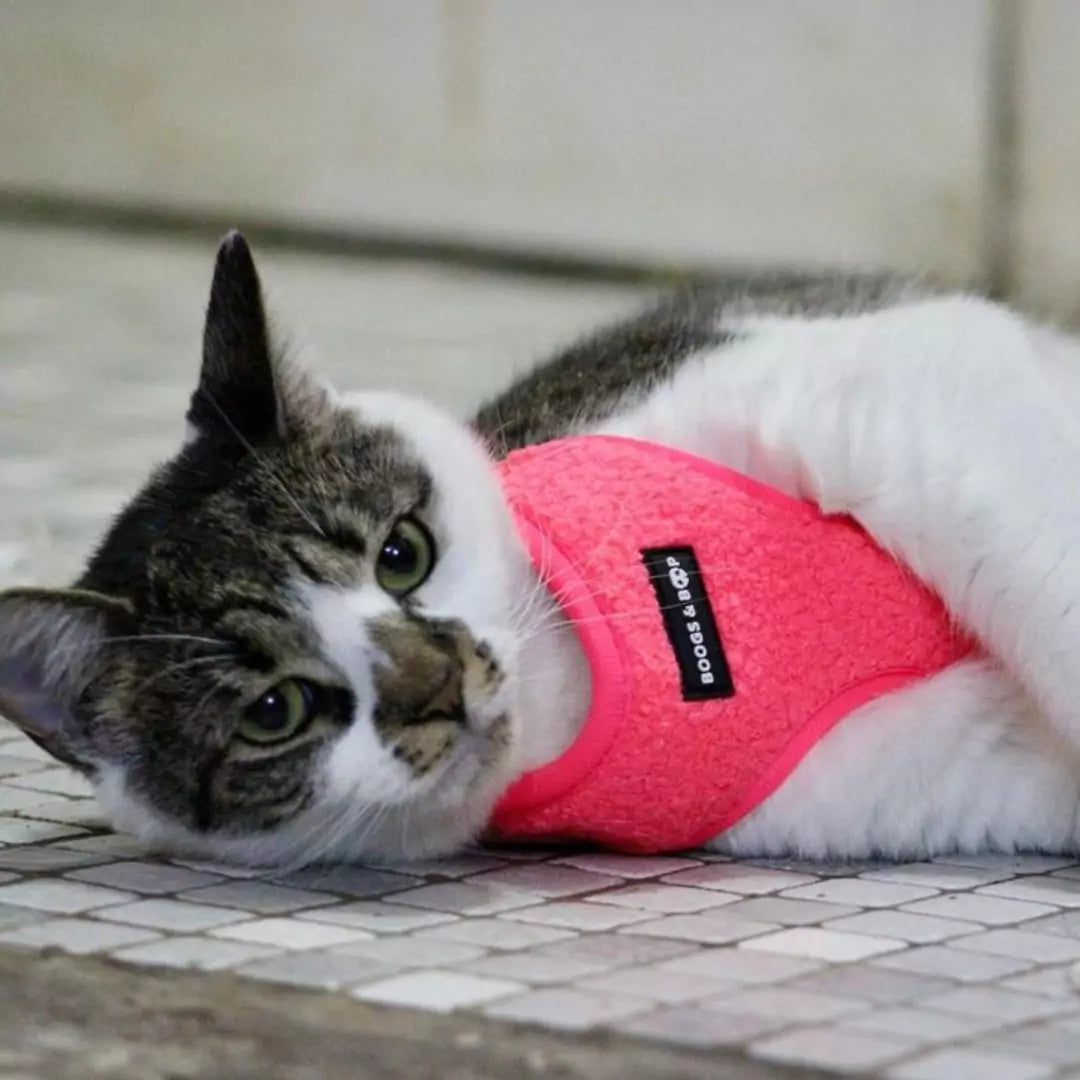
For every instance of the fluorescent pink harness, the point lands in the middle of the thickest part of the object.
(727, 626)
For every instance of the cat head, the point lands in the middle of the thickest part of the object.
(298, 640)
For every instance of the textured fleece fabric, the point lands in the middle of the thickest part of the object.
(815, 621)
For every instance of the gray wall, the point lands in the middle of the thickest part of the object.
(865, 131)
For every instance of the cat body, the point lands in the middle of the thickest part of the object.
(316, 634)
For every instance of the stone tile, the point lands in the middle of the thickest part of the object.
(937, 875)
(15, 799)
(456, 866)
(50, 859)
(56, 781)
(496, 933)
(1062, 892)
(379, 917)
(413, 952)
(968, 1064)
(258, 897)
(1005, 1005)
(83, 813)
(960, 965)
(705, 855)
(858, 892)
(111, 844)
(1010, 864)
(534, 969)
(359, 881)
(523, 853)
(831, 1048)
(629, 866)
(786, 912)
(290, 933)
(1039, 948)
(711, 928)
(655, 984)
(664, 899)
(143, 877)
(922, 1026)
(740, 878)
(904, 926)
(578, 915)
(11, 916)
(219, 869)
(569, 1010)
(1062, 924)
(21, 831)
(1052, 1042)
(325, 970)
(463, 898)
(791, 1006)
(617, 950)
(546, 879)
(1050, 981)
(875, 984)
(77, 936)
(741, 966)
(828, 945)
(63, 897)
(200, 953)
(972, 907)
(15, 764)
(33, 757)
(695, 1026)
(817, 869)
(179, 916)
(436, 991)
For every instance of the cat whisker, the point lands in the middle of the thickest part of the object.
(554, 619)
(180, 666)
(194, 638)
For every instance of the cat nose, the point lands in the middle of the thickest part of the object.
(419, 675)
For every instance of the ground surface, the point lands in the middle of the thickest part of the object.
(690, 966)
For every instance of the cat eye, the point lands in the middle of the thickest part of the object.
(280, 713)
(406, 558)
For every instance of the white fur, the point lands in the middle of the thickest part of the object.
(948, 428)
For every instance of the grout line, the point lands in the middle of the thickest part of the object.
(63, 210)
(1005, 19)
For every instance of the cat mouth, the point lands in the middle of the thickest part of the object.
(479, 749)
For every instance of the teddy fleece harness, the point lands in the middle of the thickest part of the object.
(727, 628)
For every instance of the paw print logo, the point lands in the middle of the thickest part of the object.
(678, 577)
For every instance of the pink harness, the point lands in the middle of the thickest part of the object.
(727, 627)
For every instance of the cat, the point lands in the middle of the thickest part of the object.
(314, 634)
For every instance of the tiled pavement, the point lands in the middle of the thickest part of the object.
(960, 968)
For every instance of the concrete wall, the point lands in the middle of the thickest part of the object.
(867, 131)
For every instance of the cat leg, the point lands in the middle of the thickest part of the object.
(960, 456)
(936, 426)
(960, 762)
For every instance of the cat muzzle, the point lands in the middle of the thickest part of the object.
(420, 676)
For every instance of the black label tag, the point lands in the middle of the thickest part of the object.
(689, 622)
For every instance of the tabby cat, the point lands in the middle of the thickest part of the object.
(315, 633)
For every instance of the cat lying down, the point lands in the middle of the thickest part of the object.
(786, 567)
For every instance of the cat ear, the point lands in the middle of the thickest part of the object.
(245, 394)
(50, 643)
(236, 396)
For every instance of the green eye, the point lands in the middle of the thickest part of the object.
(406, 558)
(280, 713)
